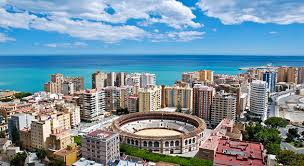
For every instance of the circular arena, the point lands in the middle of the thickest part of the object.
(160, 132)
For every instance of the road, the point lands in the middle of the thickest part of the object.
(87, 127)
(272, 111)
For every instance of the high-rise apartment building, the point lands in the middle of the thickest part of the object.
(71, 84)
(189, 77)
(205, 75)
(223, 106)
(112, 97)
(120, 79)
(258, 100)
(150, 99)
(100, 146)
(292, 75)
(178, 97)
(271, 78)
(300, 75)
(68, 88)
(111, 77)
(133, 104)
(133, 79)
(125, 93)
(92, 104)
(55, 85)
(147, 80)
(99, 80)
(78, 83)
(202, 100)
(282, 74)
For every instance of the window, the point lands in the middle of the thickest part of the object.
(145, 143)
(176, 143)
(167, 144)
(156, 144)
(171, 143)
(150, 144)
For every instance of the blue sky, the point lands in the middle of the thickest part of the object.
(238, 27)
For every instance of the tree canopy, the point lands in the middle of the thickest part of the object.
(290, 158)
(269, 137)
(21, 95)
(19, 159)
(155, 157)
(41, 154)
(77, 140)
(276, 122)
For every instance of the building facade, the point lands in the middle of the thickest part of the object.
(99, 80)
(178, 97)
(150, 99)
(271, 79)
(223, 106)
(258, 100)
(202, 100)
(92, 105)
(100, 146)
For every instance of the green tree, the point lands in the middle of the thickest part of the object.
(289, 158)
(77, 140)
(155, 157)
(276, 122)
(273, 148)
(269, 137)
(293, 133)
(22, 95)
(16, 136)
(19, 159)
(41, 154)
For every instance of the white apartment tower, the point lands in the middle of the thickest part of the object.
(92, 104)
(258, 100)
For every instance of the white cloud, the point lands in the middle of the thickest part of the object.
(182, 36)
(67, 45)
(4, 38)
(16, 20)
(273, 32)
(90, 20)
(260, 11)
(170, 12)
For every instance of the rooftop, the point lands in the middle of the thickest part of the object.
(238, 153)
(84, 162)
(101, 133)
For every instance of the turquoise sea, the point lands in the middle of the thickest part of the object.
(29, 73)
